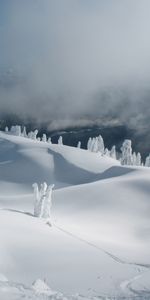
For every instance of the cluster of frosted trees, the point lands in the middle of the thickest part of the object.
(127, 157)
(18, 131)
(43, 200)
(95, 144)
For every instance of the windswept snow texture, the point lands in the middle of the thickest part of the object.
(98, 245)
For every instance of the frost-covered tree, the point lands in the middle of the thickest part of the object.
(60, 141)
(107, 152)
(36, 200)
(16, 130)
(6, 129)
(30, 134)
(49, 140)
(24, 132)
(79, 145)
(44, 138)
(43, 200)
(113, 152)
(147, 161)
(12, 129)
(126, 158)
(101, 147)
(89, 144)
(46, 214)
(134, 159)
(96, 144)
(138, 159)
(92, 148)
(34, 135)
(95, 147)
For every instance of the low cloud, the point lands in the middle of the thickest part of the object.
(76, 62)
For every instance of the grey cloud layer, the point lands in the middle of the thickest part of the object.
(76, 59)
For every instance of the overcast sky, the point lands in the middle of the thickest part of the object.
(67, 60)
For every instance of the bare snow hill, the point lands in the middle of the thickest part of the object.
(98, 245)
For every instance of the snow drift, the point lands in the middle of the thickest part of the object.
(98, 245)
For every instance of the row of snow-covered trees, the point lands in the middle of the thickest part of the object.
(127, 156)
(18, 131)
(95, 144)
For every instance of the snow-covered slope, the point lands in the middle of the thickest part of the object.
(99, 241)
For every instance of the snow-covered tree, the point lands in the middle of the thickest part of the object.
(24, 132)
(36, 200)
(95, 145)
(60, 141)
(34, 136)
(113, 152)
(49, 140)
(134, 159)
(79, 145)
(44, 138)
(89, 144)
(126, 158)
(46, 214)
(92, 148)
(16, 130)
(42, 194)
(138, 159)
(30, 134)
(147, 161)
(43, 200)
(107, 152)
(101, 147)
(12, 129)
(6, 129)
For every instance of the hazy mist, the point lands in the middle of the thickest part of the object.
(76, 61)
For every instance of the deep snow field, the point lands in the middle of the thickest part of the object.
(99, 244)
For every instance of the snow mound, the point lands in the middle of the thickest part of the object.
(98, 245)
(23, 161)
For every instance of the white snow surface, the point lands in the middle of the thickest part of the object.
(99, 241)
